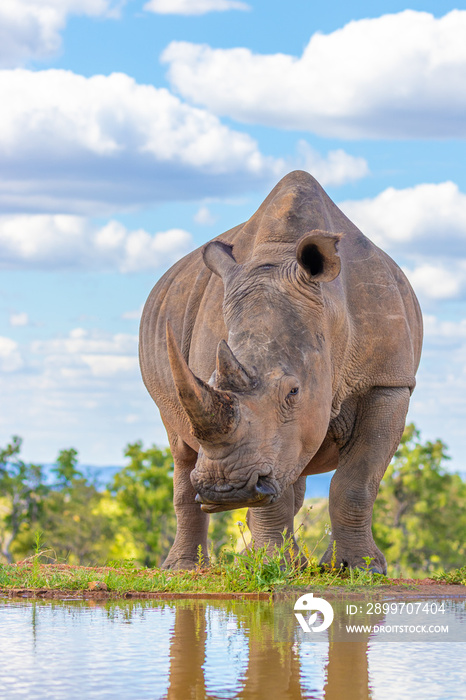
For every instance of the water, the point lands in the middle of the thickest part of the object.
(196, 649)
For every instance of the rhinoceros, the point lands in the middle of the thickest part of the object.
(285, 347)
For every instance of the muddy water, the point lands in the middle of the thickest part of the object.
(194, 649)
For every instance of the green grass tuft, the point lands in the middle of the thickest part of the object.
(454, 576)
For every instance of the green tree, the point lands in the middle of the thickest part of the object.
(144, 493)
(65, 469)
(419, 515)
(73, 523)
(22, 496)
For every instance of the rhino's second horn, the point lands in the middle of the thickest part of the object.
(230, 373)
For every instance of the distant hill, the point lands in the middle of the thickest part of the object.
(317, 486)
(101, 476)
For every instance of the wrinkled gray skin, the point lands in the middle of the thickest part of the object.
(323, 337)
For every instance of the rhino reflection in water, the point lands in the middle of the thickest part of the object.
(286, 347)
(275, 668)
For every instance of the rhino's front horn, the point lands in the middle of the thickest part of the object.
(212, 413)
(230, 372)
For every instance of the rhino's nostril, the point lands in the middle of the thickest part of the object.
(264, 487)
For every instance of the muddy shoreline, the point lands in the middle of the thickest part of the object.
(401, 589)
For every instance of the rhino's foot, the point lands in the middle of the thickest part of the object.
(180, 563)
(369, 558)
(177, 562)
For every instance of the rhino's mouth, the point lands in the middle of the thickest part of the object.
(220, 507)
(263, 493)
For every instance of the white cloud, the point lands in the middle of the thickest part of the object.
(133, 315)
(437, 282)
(84, 355)
(10, 357)
(396, 76)
(204, 217)
(337, 168)
(76, 390)
(425, 219)
(424, 226)
(438, 404)
(20, 319)
(30, 29)
(132, 418)
(75, 144)
(62, 241)
(441, 330)
(193, 7)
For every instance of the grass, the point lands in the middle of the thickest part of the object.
(454, 576)
(253, 571)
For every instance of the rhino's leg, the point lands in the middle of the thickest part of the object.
(268, 524)
(191, 521)
(377, 430)
(299, 488)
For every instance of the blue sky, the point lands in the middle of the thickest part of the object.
(132, 132)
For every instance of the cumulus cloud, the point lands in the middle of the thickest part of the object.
(50, 242)
(431, 281)
(20, 319)
(10, 357)
(396, 76)
(133, 315)
(204, 216)
(427, 218)
(424, 226)
(439, 400)
(76, 389)
(193, 7)
(441, 330)
(84, 356)
(30, 29)
(336, 168)
(79, 145)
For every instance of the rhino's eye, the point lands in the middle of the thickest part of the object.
(294, 391)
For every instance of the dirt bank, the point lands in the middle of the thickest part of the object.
(399, 589)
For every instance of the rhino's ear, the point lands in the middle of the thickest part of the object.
(219, 258)
(317, 255)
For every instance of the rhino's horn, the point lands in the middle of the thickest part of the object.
(230, 372)
(211, 413)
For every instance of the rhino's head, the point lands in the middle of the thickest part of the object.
(266, 409)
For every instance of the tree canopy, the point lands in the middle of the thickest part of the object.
(143, 492)
(420, 512)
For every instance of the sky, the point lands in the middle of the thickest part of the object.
(133, 132)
